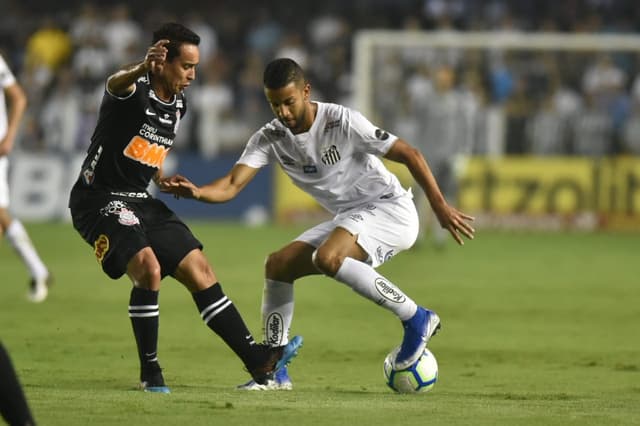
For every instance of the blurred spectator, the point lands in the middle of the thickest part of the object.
(592, 130)
(48, 48)
(123, 35)
(61, 114)
(443, 139)
(546, 130)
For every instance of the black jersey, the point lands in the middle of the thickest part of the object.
(132, 138)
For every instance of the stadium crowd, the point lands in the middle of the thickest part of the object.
(545, 105)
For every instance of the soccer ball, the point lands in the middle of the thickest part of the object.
(420, 377)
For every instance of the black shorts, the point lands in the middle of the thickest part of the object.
(117, 228)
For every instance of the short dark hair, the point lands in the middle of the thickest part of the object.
(177, 34)
(282, 71)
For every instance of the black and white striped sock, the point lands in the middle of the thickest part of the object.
(144, 313)
(221, 316)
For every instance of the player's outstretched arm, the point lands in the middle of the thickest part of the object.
(218, 191)
(121, 83)
(455, 221)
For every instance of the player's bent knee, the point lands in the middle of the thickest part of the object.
(144, 270)
(326, 261)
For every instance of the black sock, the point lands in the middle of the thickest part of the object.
(144, 313)
(13, 404)
(219, 313)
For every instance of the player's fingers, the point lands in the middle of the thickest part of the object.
(455, 235)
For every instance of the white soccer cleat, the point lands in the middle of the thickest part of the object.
(39, 289)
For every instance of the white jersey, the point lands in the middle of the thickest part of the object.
(6, 79)
(336, 161)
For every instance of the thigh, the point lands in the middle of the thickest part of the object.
(382, 229)
(170, 239)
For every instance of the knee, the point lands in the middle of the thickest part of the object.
(144, 269)
(327, 261)
(275, 267)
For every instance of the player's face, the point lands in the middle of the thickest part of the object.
(181, 71)
(290, 104)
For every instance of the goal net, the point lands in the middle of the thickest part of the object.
(540, 126)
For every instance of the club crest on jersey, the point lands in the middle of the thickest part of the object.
(331, 155)
(101, 247)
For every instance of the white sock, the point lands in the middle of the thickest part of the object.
(19, 239)
(277, 311)
(364, 280)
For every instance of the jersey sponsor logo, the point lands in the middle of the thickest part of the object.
(381, 134)
(277, 133)
(165, 119)
(286, 160)
(331, 125)
(131, 194)
(274, 329)
(145, 152)
(310, 168)
(101, 247)
(388, 291)
(331, 155)
(88, 174)
(356, 217)
(149, 112)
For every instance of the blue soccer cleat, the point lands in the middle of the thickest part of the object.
(418, 329)
(154, 382)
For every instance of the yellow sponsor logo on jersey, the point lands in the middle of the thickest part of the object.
(145, 152)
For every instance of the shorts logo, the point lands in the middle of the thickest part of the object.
(274, 330)
(145, 152)
(125, 215)
(389, 292)
(383, 257)
(101, 247)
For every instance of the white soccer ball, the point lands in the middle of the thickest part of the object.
(419, 377)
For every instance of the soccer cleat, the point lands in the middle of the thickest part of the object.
(417, 331)
(39, 289)
(265, 377)
(280, 381)
(154, 382)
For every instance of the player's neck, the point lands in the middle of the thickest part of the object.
(309, 118)
(161, 90)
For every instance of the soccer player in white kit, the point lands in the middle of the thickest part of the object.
(11, 227)
(332, 153)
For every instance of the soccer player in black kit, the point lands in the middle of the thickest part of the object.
(133, 233)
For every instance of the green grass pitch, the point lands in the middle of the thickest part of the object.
(538, 329)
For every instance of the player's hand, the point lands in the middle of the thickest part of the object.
(179, 186)
(456, 222)
(156, 55)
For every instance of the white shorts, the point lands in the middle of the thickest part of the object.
(4, 182)
(384, 228)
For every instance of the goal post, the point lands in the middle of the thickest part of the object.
(366, 41)
(576, 187)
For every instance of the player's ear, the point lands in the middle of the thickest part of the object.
(306, 91)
